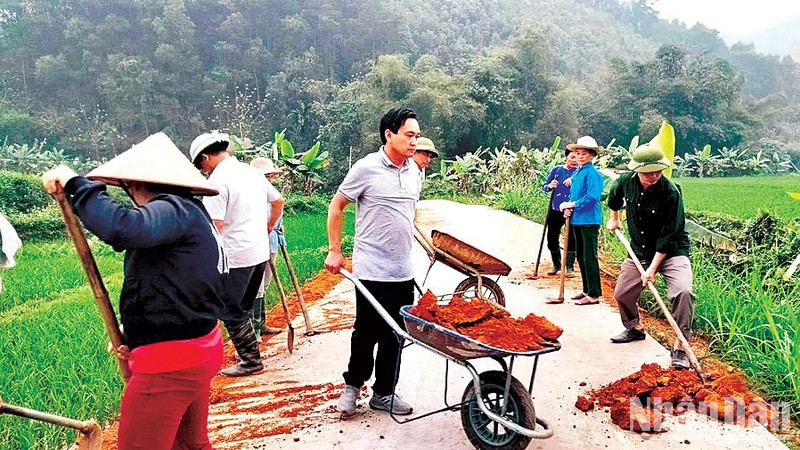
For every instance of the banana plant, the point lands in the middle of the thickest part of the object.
(556, 143)
(306, 168)
(666, 140)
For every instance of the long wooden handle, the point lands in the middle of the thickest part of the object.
(564, 260)
(93, 275)
(544, 231)
(85, 427)
(667, 313)
(282, 295)
(285, 252)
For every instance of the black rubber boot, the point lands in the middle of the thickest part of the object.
(570, 264)
(244, 341)
(556, 257)
(260, 322)
(258, 314)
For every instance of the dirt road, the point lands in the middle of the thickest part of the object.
(292, 404)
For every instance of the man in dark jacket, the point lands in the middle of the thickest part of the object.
(656, 224)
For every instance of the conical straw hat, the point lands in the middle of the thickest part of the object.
(154, 160)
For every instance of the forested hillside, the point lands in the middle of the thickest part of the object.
(93, 76)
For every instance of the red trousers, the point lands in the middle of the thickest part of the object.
(168, 410)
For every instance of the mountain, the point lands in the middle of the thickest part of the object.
(781, 39)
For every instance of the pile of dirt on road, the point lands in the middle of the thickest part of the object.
(489, 323)
(639, 401)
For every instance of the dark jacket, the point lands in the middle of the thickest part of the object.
(656, 220)
(174, 262)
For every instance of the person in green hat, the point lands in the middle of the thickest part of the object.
(657, 228)
(425, 154)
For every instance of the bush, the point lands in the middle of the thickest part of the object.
(39, 225)
(298, 204)
(21, 193)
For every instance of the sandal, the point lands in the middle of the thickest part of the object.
(554, 301)
(579, 296)
(589, 301)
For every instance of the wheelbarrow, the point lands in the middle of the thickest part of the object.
(468, 260)
(496, 409)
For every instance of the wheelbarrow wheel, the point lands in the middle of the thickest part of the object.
(483, 432)
(491, 290)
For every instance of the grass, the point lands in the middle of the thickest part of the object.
(45, 269)
(53, 356)
(754, 322)
(742, 197)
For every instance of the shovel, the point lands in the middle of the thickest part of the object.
(692, 358)
(91, 436)
(560, 298)
(93, 274)
(309, 328)
(544, 232)
(282, 295)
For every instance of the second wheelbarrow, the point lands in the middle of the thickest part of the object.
(468, 260)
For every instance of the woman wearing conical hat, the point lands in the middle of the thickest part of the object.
(170, 298)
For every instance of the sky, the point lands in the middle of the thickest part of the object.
(729, 17)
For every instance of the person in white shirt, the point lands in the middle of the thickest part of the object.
(276, 240)
(241, 212)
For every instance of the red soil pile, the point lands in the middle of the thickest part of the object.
(313, 291)
(489, 323)
(639, 401)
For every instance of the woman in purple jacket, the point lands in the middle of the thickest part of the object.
(560, 180)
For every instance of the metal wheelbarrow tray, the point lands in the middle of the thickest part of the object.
(496, 409)
(455, 344)
(468, 260)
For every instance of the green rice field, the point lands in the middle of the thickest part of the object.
(742, 197)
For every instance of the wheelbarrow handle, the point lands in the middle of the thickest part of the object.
(378, 307)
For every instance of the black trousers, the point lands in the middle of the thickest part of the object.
(241, 288)
(370, 329)
(555, 221)
(587, 258)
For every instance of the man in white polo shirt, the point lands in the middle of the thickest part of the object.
(385, 187)
(242, 214)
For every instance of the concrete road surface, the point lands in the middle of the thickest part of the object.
(586, 356)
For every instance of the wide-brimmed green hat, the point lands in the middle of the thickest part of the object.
(649, 158)
(426, 145)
